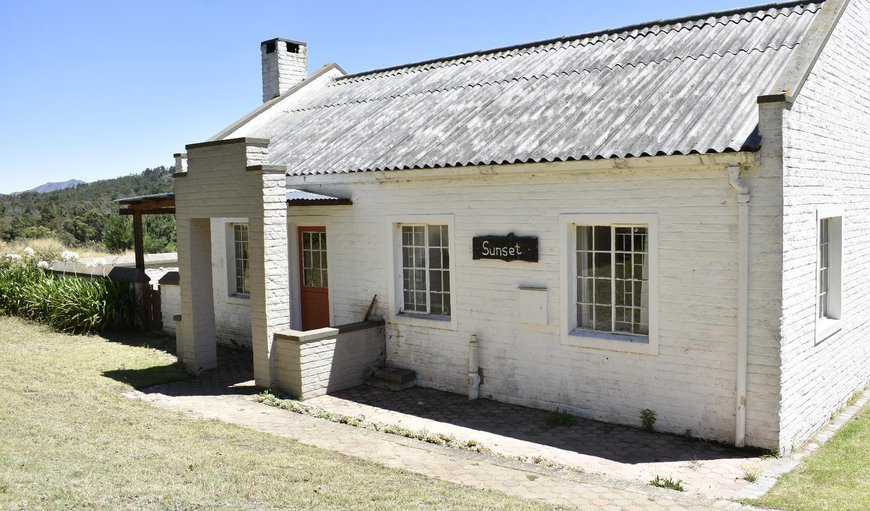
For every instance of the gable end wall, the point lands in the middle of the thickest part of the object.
(826, 160)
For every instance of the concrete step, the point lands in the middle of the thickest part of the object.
(395, 374)
(392, 378)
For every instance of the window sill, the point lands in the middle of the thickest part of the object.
(826, 328)
(239, 299)
(425, 320)
(610, 342)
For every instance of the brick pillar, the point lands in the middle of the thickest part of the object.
(196, 332)
(270, 283)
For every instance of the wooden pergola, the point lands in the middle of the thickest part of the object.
(157, 204)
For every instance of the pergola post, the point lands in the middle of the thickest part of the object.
(138, 242)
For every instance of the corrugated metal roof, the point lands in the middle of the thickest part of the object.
(679, 87)
(294, 194)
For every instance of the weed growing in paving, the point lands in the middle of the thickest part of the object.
(647, 419)
(668, 483)
(750, 473)
(561, 418)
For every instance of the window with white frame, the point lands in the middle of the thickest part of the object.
(425, 260)
(829, 272)
(613, 279)
(240, 284)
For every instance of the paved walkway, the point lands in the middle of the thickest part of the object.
(620, 452)
(228, 395)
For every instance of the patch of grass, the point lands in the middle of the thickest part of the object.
(648, 419)
(854, 398)
(751, 473)
(835, 478)
(71, 441)
(667, 483)
(561, 418)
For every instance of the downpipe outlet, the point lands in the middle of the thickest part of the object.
(473, 368)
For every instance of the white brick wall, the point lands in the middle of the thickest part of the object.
(309, 365)
(690, 383)
(170, 305)
(827, 163)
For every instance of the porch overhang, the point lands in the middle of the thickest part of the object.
(302, 198)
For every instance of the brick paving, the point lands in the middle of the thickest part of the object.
(228, 395)
(516, 431)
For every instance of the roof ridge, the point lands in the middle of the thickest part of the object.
(765, 8)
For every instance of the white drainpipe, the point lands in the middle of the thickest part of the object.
(473, 369)
(743, 198)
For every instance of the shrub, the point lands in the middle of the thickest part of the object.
(68, 304)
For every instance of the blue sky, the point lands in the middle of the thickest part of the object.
(100, 89)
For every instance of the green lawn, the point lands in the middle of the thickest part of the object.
(834, 478)
(69, 440)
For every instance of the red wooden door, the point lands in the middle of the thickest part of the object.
(313, 277)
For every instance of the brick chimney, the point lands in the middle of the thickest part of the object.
(285, 63)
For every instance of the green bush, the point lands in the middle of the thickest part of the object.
(66, 303)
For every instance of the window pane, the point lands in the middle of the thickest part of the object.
(435, 280)
(603, 292)
(584, 316)
(323, 241)
(435, 236)
(584, 237)
(584, 264)
(603, 320)
(602, 265)
(435, 258)
(585, 290)
(602, 238)
(435, 301)
(306, 240)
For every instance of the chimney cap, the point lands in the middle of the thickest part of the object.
(281, 39)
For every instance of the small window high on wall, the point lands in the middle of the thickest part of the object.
(829, 272)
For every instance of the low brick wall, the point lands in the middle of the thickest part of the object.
(317, 362)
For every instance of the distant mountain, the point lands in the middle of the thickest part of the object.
(79, 213)
(53, 187)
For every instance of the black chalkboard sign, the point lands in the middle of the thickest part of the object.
(505, 248)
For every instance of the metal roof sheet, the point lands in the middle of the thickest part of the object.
(294, 195)
(680, 87)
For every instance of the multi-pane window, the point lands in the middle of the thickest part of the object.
(240, 251)
(824, 267)
(314, 268)
(425, 269)
(613, 278)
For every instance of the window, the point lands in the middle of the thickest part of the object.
(613, 279)
(828, 274)
(314, 268)
(425, 262)
(610, 281)
(241, 284)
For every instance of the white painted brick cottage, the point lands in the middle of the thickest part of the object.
(673, 216)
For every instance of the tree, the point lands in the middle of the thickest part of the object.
(118, 234)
